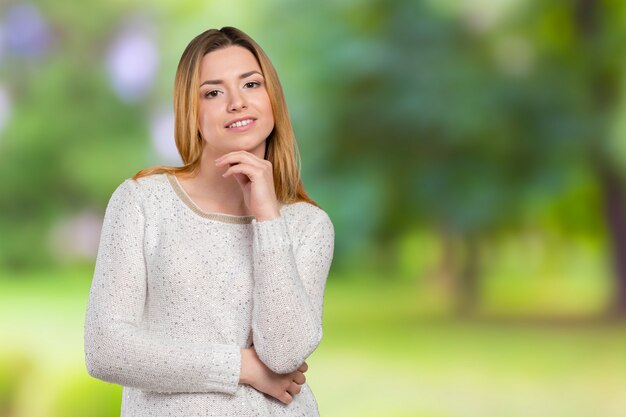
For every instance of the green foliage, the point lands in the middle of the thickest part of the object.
(431, 115)
(69, 143)
(465, 128)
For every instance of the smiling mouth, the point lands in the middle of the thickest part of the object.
(240, 123)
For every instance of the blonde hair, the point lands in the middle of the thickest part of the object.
(281, 150)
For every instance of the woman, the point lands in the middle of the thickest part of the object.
(208, 287)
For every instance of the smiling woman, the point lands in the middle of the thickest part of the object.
(208, 288)
(200, 78)
(235, 112)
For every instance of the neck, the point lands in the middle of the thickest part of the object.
(208, 183)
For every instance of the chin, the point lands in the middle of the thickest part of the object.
(251, 146)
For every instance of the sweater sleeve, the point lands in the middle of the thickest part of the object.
(118, 349)
(289, 290)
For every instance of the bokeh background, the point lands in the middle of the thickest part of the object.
(471, 154)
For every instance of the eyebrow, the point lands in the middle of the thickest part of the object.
(241, 77)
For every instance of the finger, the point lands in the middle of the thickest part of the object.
(250, 171)
(285, 398)
(294, 388)
(231, 154)
(303, 367)
(299, 378)
(238, 157)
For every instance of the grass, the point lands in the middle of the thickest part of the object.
(382, 354)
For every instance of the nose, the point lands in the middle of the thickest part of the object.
(237, 102)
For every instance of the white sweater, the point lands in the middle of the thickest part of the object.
(177, 292)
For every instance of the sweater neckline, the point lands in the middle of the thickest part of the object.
(187, 201)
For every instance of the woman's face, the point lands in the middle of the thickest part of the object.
(234, 111)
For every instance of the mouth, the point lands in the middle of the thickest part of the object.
(240, 123)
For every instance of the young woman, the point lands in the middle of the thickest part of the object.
(208, 287)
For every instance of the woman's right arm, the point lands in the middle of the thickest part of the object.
(117, 349)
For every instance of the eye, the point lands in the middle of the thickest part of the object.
(211, 94)
(252, 84)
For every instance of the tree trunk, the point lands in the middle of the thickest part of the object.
(615, 214)
(459, 271)
(447, 269)
(469, 277)
(604, 87)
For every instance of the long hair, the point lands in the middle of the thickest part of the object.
(281, 149)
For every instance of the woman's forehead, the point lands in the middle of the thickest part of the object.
(230, 61)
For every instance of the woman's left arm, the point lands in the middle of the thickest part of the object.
(289, 289)
(289, 279)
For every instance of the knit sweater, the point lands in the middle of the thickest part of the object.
(177, 292)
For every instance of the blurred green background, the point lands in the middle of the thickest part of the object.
(471, 154)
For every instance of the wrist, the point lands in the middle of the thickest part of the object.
(243, 373)
(269, 215)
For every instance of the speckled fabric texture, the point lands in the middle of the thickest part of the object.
(177, 293)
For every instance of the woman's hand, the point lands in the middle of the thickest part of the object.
(256, 178)
(280, 386)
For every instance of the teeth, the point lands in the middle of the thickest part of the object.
(240, 123)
